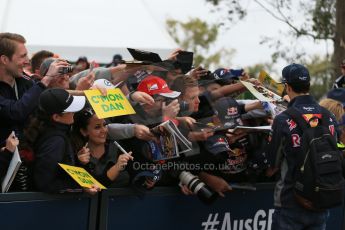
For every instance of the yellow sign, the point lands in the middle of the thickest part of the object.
(112, 105)
(270, 83)
(81, 176)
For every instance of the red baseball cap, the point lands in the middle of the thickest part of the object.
(153, 85)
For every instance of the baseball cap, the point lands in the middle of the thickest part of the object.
(45, 65)
(295, 73)
(56, 100)
(217, 144)
(153, 85)
(104, 83)
(224, 76)
(228, 111)
(337, 94)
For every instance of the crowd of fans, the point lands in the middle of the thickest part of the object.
(43, 112)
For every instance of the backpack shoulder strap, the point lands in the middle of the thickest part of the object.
(297, 117)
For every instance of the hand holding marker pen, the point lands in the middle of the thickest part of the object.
(122, 150)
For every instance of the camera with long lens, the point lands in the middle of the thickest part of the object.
(205, 193)
(66, 69)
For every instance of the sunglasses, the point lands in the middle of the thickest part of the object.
(88, 112)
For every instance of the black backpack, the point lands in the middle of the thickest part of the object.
(319, 182)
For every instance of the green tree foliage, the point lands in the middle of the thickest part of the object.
(323, 20)
(320, 76)
(199, 37)
(323, 17)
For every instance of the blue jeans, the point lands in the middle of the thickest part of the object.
(298, 218)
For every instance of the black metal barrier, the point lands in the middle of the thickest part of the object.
(161, 208)
(167, 208)
(36, 211)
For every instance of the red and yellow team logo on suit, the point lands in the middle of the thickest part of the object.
(236, 152)
(312, 119)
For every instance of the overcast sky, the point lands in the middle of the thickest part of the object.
(106, 22)
(245, 36)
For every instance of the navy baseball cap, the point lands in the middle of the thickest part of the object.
(225, 74)
(217, 144)
(228, 111)
(221, 76)
(337, 94)
(295, 73)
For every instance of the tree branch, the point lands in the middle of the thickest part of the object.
(285, 20)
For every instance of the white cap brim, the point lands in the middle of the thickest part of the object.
(173, 94)
(78, 104)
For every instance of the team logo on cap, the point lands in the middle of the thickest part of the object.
(221, 73)
(220, 141)
(232, 111)
(303, 78)
(69, 98)
(164, 86)
(107, 83)
(152, 87)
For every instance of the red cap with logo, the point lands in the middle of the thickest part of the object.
(153, 85)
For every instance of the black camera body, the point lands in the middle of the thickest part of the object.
(66, 69)
(184, 109)
(184, 106)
